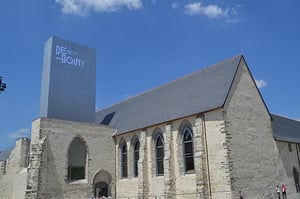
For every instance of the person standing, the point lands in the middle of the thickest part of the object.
(241, 195)
(278, 191)
(283, 189)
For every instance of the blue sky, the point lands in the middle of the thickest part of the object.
(142, 44)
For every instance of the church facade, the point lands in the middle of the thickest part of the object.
(206, 135)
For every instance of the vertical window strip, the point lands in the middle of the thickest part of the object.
(124, 168)
(136, 155)
(188, 151)
(159, 146)
(290, 147)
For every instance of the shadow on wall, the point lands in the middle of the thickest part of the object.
(289, 157)
(49, 175)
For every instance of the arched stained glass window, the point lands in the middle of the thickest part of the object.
(188, 150)
(136, 155)
(159, 154)
(124, 168)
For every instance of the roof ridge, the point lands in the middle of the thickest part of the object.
(207, 68)
(224, 61)
(285, 117)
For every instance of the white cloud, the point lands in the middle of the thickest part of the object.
(83, 7)
(19, 133)
(212, 11)
(260, 83)
(174, 5)
(229, 15)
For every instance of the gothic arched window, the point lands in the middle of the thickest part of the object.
(188, 150)
(136, 156)
(159, 154)
(77, 160)
(124, 169)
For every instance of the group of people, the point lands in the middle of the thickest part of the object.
(281, 190)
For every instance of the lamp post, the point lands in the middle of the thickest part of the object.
(2, 85)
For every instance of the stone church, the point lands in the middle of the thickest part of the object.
(207, 135)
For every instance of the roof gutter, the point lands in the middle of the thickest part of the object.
(168, 121)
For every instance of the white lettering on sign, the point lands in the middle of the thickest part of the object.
(67, 56)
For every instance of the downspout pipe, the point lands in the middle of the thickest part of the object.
(115, 177)
(206, 156)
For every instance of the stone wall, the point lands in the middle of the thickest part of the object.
(13, 180)
(48, 170)
(255, 166)
(291, 163)
(175, 183)
(20, 184)
(219, 184)
(234, 151)
(2, 168)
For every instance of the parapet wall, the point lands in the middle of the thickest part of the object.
(13, 171)
(48, 170)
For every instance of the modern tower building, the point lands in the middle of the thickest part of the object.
(68, 81)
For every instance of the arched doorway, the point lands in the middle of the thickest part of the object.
(102, 184)
(101, 189)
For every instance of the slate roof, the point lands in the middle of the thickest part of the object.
(198, 92)
(285, 129)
